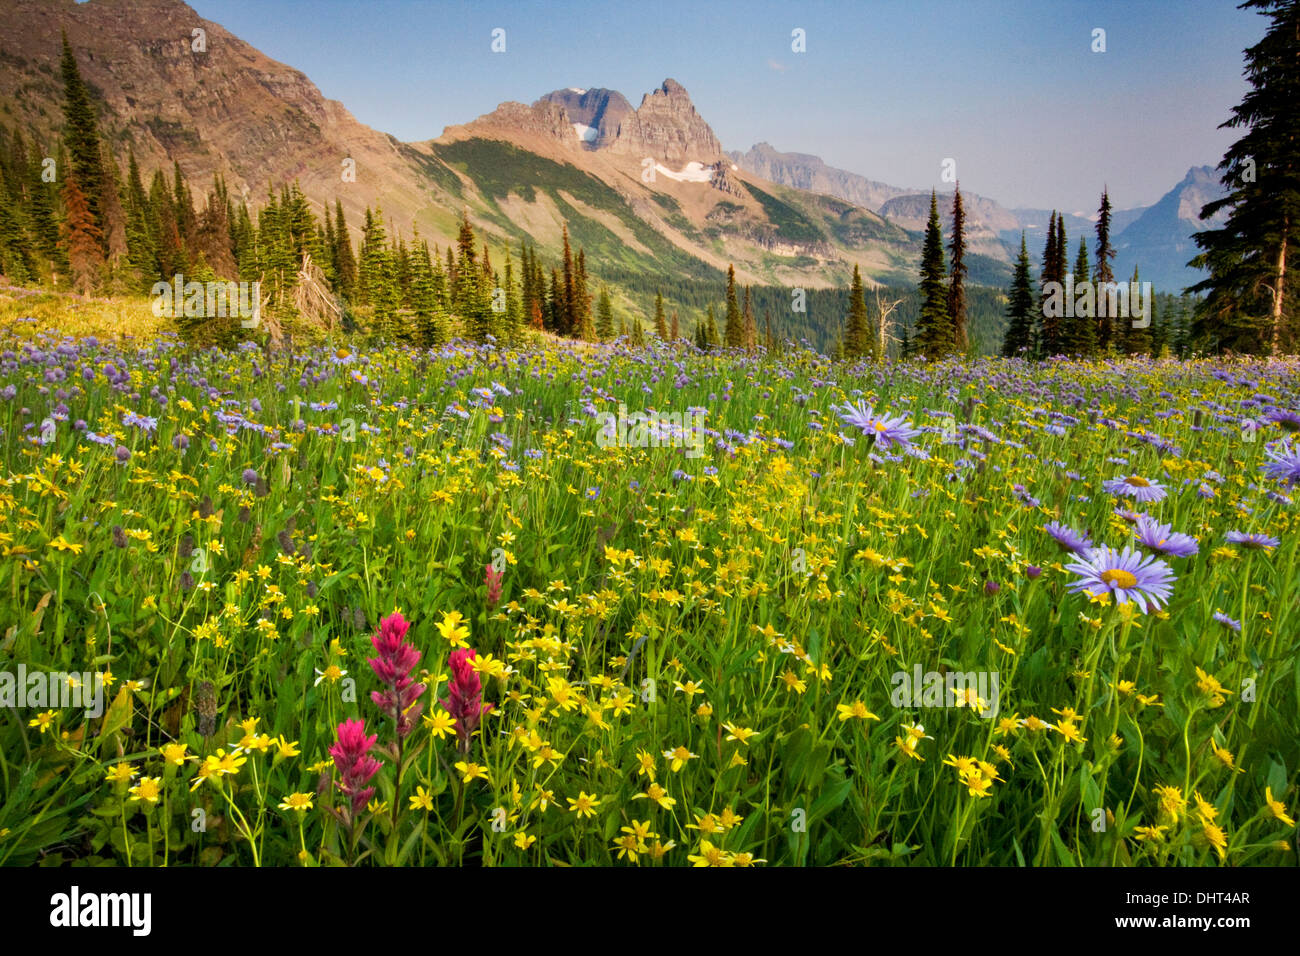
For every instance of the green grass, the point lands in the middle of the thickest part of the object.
(651, 601)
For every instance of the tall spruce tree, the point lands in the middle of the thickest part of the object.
(584, 326)
(81, 134)
(734, 328)
(1250, 302)
(661, 323)
(934, 335)
(957, 271)
(1103, 274)
(858, 340)
(1081, 331)
(1136, 338)
(604, 316)
(1019, 337)
(82, 240)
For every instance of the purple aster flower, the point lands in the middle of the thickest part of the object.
(250, 476)
(123, 454)
(1068, 538)
(1284, 463)
(1135, 487)
(1159, 537)
(1288, 419)
(1224, 619)
(1127, 575)
(886, 431)
(1253, 541)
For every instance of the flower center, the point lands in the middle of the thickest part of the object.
(880, 426)
(1119, 577)
(1137, 482)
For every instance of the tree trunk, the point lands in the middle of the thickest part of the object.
(1279, 289)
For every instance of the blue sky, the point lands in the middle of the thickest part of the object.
(887, 88)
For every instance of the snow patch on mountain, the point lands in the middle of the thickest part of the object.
(587, 134)
(693, 172)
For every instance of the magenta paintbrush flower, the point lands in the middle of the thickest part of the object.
(351, 753)
(464, 699)
(393, 666)
(494, 579)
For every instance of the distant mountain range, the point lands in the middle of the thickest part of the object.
(647, 191)
(1157, 239)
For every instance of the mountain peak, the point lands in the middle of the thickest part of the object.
(667, 127)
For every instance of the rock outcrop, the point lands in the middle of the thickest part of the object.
(599, 110)
(666, 127)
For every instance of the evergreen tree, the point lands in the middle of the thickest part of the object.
(345, 264)
(957, 273)
(567, 315)
(858, 340)
(1250, 303)
(1159, 331)
(734, 327)
(750, 324)
(16, 262)
(555, 302)
(934, 335)
(465, 279)
(1019, 338)
(1102, 274)
(1081, 331)
(42, 204)
(82, 240)
(711, 339)
(584, 327)
(661, 323)
(604, 316)
(674, 331)
(81, 134)
(376, 277)
(1136, 339)
(514, 314)
(1051, 339)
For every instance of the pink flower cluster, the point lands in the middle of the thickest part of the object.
(351, 753)
(494, 579)
(464, 699)
(393, 667)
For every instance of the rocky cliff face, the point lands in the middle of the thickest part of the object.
(1159, 242)
(666, 127)
(599, 110)
(209, 101)
(544, 119)
(803, 171)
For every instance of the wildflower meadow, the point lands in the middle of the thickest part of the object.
(344, 604)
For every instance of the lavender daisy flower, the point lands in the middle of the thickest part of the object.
(1284, 464)
(1224, 619)
(1127, 575)
(249, 476)
(1068, 538)
(1159, 537)
(886, 431)
(1288, 419)
(1253, 541)
(1135, 487)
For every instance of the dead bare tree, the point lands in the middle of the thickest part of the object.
(313, 298)
(884, 331)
